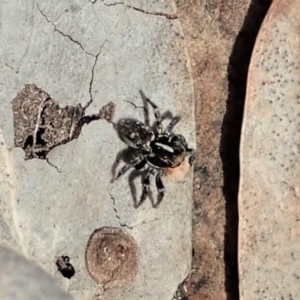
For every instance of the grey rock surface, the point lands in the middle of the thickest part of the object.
(22, 279)
(94, 52)
(269, 243)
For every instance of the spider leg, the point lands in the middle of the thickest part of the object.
(191, 154)
(171, 125)
(137, 163)
(156, 113)
(160, 188)
(146, 185)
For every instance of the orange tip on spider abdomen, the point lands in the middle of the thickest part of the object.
(178, 174)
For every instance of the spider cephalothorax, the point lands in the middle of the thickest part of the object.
(159, 149)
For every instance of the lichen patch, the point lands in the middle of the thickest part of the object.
(41, 124)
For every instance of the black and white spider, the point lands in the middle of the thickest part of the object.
(159, 149)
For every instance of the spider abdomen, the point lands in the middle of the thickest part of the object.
(165, 154)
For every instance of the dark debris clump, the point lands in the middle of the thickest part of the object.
(41, 124)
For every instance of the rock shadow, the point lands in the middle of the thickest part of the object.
(230, 136)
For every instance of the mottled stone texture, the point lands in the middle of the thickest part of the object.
(269, 207)
(219, 57)
(94, 53)
(22, 279)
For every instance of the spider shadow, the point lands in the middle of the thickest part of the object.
(125, 155)
(131, 181)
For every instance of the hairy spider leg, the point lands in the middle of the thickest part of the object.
(192, 155)
(137, 163)
(171, 125)
(156, 113)
(146, 184)
(160, 188)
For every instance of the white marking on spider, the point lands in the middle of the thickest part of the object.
(165, 147)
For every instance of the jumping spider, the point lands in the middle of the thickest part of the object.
(160, 149)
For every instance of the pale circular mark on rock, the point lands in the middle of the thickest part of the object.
(112, 257)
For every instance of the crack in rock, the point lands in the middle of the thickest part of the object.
(10, 67)
(41, 124)
(168, 16)
(160, 14)
(113, 4)
(62, 33)
(92, 76)
(116, 213)
(54, 166)
(92, 80)
(124, 224)
(108, 4)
